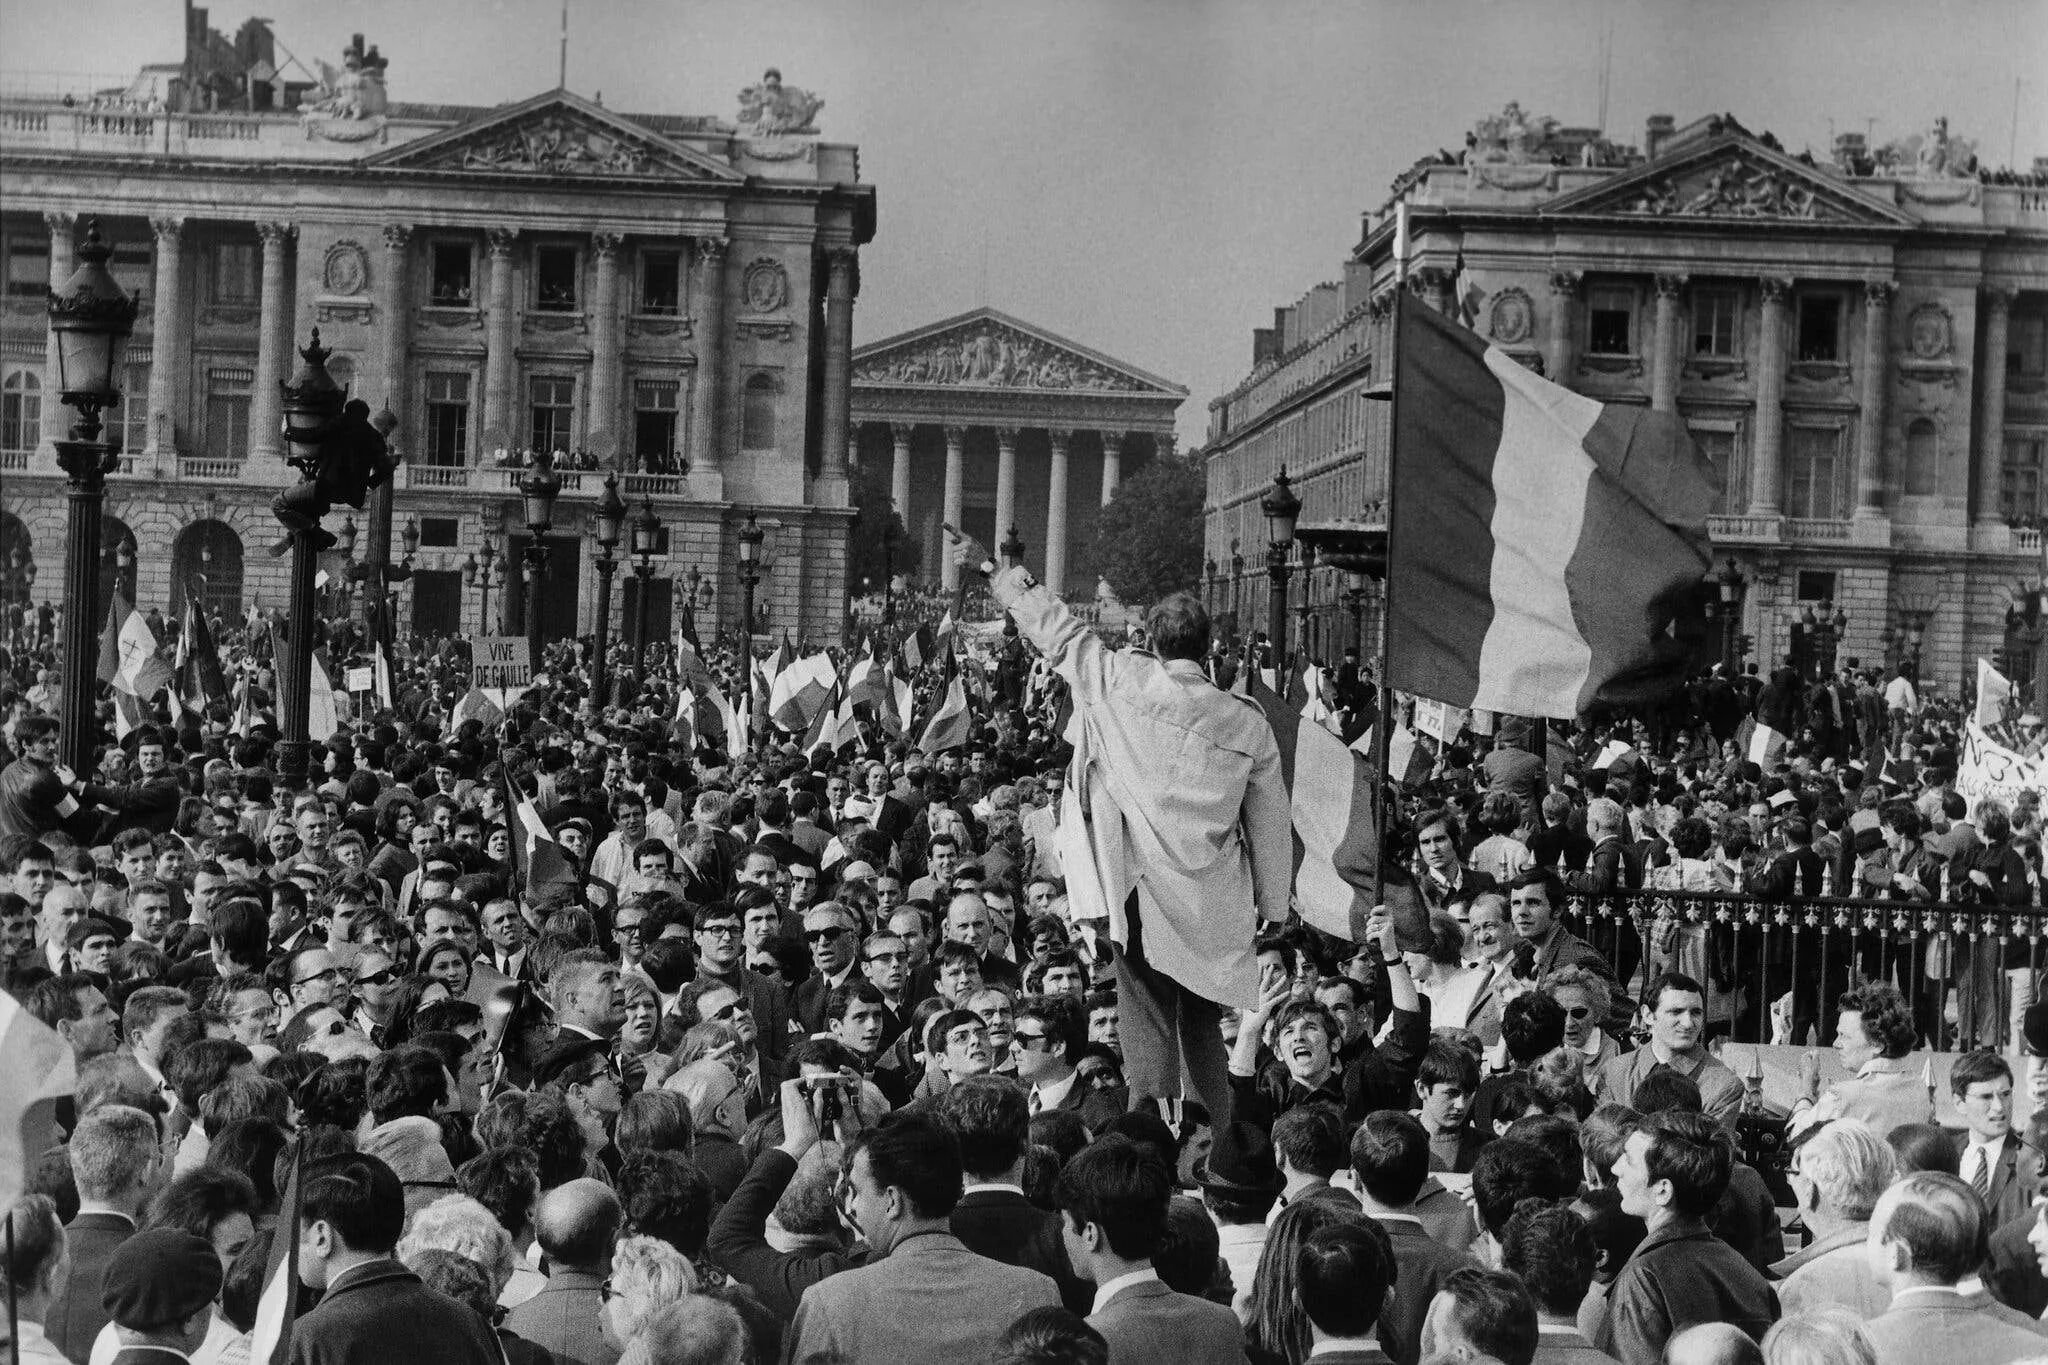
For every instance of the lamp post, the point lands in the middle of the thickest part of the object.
(312, 403)
(1236, 589)
(611, 511)
(1822, 633)
(345, 590)
(538, 486)
(1281, 507)
(480, 571)
(376, 573)
(1356, 592)
(1729, 590)
(646, 541)
(889, 572)
(90, 319)
(394, 574)
(750, 538)
(1304, 611)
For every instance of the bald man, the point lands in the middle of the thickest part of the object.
(576, 1225)
(1712, 1343)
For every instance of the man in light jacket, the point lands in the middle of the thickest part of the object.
(1177, 821)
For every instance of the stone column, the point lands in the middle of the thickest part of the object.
(1056, 516)
(273, 344)
(56, 417)
(830, 490)
(501, 365)
(1877, 307)
(1006, 482)
(707, 436)
(1112, 464)
(607, 374)
(899, 470)
(956, 462)
(1664, 362)
(1766, 466)
(166, 339)
(395, 335)
(1557, 342)
(1998, 299)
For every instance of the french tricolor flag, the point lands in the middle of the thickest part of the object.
(1546, 549)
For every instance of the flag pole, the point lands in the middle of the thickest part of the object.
(13, 1308)
(1382, 734)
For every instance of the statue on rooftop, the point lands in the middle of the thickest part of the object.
(772, 109)
(356, 91)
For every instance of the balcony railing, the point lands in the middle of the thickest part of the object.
(1822, 530)
(1950, 960)
(13, 460)
(206, 467)
(436, 475)
(654, 485)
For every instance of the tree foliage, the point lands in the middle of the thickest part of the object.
(866, 556)
(1148, 541)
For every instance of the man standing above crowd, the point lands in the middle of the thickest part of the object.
(1678, 1040)
(1189, 829)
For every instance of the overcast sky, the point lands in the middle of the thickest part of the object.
(1150, 177)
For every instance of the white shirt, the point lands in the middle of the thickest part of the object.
(1051, 1097)
(1001, 1187)
(1105, 1292)
(1333, 1345)
(219, 1332)
(1985, 1152)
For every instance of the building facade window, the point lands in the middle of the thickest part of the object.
(227, 413)
(1610, 320)
(2019, 481)
(28, 267)
(553, 405)
(1923, 458)
(1820, 327)
(654, 425)
(661, 283)
(447, 418)
(133, 418)
(1722, 443)
(133, 266)
(757, 415)
(1813, 474)
(1716, 322)
(237, 273)
(554, 279)
(2026, 346)
(1814, 585)
(452, 263)
(440, 533)
(21, 412)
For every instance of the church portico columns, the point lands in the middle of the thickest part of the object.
(899, 468)
(1006, 480)
(1112, 464)
(1056, 514)
(956, 473)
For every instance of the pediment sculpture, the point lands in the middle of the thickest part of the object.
(1736, 187)
(772, 109)
(356, 91)
(993, 357)
(557, 144)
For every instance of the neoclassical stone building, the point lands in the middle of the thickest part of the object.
(989, 422)
(1860, 343)
(669, 295)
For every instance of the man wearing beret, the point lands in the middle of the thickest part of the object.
(159, 1292)
(374, 1310)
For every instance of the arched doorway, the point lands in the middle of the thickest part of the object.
(208, 557)
(113, 531)
(18, 568)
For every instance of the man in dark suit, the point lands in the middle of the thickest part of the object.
(989, 1117)
(1342, 1274)
(159, 1294)
(1390, 1157)
(1113, 1201)
(116, 1164)
(833, 937)
(2005, 1172)
(373, 1310)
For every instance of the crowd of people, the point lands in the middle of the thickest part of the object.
(597, 1035)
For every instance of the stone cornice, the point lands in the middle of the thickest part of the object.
(956, 406)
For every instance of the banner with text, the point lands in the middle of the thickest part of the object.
(501, 661)
(1990, 771)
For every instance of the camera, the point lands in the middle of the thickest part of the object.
(829, 1092)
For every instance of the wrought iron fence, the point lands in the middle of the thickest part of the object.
(1961, 967)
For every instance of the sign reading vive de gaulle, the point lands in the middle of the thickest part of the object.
(501, 661)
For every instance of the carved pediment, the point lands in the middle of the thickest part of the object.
(987, 349)
(557, 134)
(1734, 177)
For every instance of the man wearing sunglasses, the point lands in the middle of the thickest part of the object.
(833, 937)
(718, 931)
(376, 996)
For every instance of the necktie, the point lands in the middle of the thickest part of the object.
(1980, 1180)
(1036, 1103)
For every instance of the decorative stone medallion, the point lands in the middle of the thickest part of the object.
(1514, 316)
(1931, 331)
(347, 268)
(765, 285)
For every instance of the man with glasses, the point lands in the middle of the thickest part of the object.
(633, 929)
(832, 935)
(375, 981)
(717, 931)
(885, 961)
(37, 797)
(312, 978)
(1046, 1040)
(250, 1009)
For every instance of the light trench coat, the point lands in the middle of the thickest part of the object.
(1175, 791)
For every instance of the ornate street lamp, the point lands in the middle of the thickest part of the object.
(611, 511)
(1012, 548)
(1729, 589)
(90, 319)
(124, 566)
(1355, 592)
(1281, 507)
(481, 571)
(1236, 589)
(750, 538)
(378, 603)
(646, 544)
(889, 540)
(538, 486)
(312, 404)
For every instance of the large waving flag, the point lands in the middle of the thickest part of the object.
(130, 664)
(1336, 844)
(950, 724)
(323, 717)
(1994, 696)
(35, 1070)
(537, 859)
(200, 682)
(1546, 549)
(801, 691)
